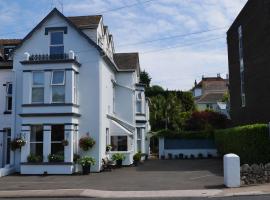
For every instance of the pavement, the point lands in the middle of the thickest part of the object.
(153, 179)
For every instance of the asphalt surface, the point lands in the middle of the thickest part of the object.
(265, 197)
(151, 175)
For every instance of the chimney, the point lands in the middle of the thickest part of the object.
(195, 83)
(218, 75)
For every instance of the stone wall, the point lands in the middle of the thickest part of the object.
(255, 174)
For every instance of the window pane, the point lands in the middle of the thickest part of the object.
(36, 149)
(36, 134)
(38, 95)
(9, 103)
(119, 143)
(57, 148)
(58, 94)
(58, 77)
(9, 89)
(38, 78)
(138, 106)
(56, 38)
(58, 50)
(58, 133)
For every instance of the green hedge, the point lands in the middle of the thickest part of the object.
(251, 142)
(185, 134)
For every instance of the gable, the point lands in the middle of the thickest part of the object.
(55, 12)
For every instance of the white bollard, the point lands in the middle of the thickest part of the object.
(231, 163)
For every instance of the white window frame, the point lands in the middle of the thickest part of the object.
(37, 86)
(57, 141)
(58, 84)
(64, 78)
(37, 142)
(8, 96)
(55, 45)
(139, 99)
(139, 139)
(75, 88)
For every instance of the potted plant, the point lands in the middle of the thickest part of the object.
(108, 148)
(55, 158)
(118, 158)
(32, 158)
(17, 143)
(137, 158)
(86, 143)
(65, 143)
(86, 163)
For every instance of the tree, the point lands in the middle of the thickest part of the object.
(145, 78)
(154, 91)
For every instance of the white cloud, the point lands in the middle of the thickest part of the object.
(174, 69)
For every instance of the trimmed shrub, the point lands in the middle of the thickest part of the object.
(186, 134)
(251, 143)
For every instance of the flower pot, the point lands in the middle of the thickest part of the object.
(86, 170)
(136, 163)
(119, 163)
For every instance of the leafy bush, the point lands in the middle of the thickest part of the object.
(32, 158)
(59, 157)
(205, 120)
(86, 143)
(87, 161)
(76, 158)
(118, 156)
(251, 143)
(137, 157)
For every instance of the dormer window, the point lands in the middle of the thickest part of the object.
(57, 43)
(7, 51)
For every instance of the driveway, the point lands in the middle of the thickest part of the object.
(151, 175)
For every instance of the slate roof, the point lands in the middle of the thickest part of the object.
(90, 21)
(10, 41)
(210, 98)
(127, 61)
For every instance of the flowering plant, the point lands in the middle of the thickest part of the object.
(17, 143)
(87, 161)
(86, 143)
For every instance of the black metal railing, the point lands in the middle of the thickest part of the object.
(49, 57)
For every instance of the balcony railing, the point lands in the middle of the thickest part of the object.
(52, 57)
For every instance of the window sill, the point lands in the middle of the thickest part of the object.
(7, 113)
(48, 163)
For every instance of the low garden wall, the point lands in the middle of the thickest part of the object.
(255, 174)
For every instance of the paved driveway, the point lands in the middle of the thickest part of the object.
(151, 175)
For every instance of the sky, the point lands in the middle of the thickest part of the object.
(178, 40)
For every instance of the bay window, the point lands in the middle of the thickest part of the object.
(58, 86)
(38, 87)
(36, 140)
(57, 136)
(57, 43)
(119, 143)
(8, 96)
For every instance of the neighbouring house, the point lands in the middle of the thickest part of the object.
(209, 92)
(248, 42)
(63, 82)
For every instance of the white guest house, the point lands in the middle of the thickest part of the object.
(61, 83)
